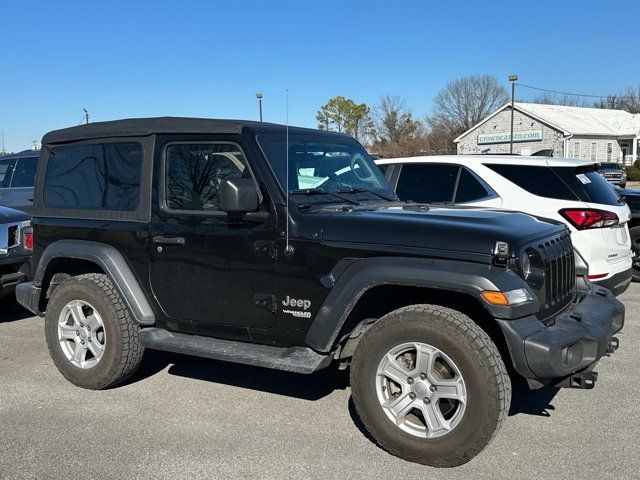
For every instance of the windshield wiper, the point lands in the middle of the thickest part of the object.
(320, 191)
(364, 190)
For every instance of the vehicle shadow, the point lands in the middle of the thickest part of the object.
(11, 311)
(531, 402)
(306, 387)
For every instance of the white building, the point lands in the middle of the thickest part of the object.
(588, 133)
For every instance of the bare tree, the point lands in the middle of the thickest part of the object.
(466, 101)
(397, 133)
(566, 100)
(629, 101)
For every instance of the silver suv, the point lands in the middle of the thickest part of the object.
(17, 176)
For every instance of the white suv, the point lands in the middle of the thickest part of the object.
(562, 189)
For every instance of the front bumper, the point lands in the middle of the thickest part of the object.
(617, 283)
(570, 343)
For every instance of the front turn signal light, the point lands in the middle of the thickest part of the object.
(495, 298)
(512, 297)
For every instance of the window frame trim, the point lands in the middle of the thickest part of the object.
(162, 187)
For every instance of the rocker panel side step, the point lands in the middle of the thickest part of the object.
(290, 359)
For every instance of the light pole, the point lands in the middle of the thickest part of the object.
(86, 115)
(259, 97)
(513, 79)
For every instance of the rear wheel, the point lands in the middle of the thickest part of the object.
(635, 251)
(430, 385)
(90, 333)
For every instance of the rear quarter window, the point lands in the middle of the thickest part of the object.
(589, 185)
(538, 180)
(97, 176)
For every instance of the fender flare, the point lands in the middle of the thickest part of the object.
(112, 263)
(454, 276)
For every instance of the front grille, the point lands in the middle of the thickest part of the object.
(13, 238)
(560, 271)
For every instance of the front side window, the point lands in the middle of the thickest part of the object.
(427, 183)
(322, 161)
(6, 171)
(195, 171)
(25, 172)
(97, 176)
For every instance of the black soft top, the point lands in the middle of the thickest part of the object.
(140, 127)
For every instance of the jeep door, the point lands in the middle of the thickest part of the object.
(212, 269)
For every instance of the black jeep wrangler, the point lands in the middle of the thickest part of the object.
(286, 248)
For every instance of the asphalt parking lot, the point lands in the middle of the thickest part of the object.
(183, 417)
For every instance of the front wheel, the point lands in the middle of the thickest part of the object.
(429, 385)
(90, 333)
(634, 233)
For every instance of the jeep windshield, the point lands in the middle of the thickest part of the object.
(326, 167)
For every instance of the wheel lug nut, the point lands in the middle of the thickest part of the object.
(412, 395)
(82, 324)
(432, 388)
(77, 332)
(426, 400)
(82, 342)
(410, 381)
(423, 376)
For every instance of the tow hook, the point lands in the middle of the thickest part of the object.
(614, 343)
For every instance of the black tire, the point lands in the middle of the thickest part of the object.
(123, 351)
(634, 233)
(463, 341)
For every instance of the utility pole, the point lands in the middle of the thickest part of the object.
(2, 150)
(86, 116)
(259, 97)
(513, 79)
(34, 145)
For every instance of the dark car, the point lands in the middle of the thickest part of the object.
(286, 248)
(632, 198)
(613, 173)
(16, 245)
(17, 176)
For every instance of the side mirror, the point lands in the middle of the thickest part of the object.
(238, 195)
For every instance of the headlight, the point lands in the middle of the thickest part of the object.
(533, 268)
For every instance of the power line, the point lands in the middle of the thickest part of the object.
(561, 93)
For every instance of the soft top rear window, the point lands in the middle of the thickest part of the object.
(562, 183)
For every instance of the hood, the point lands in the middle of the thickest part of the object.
(9, 215)
(459, 229)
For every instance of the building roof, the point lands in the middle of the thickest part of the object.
(576, 120)
(140, 127)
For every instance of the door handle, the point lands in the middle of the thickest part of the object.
(162, 240)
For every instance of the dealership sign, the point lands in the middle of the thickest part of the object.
(504, 137)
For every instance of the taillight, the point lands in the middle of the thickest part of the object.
(584, 219)
(27, 238)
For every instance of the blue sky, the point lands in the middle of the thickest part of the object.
(208, 58)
